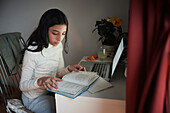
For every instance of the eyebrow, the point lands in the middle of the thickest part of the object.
(55, 30)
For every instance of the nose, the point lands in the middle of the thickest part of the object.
(59, 37)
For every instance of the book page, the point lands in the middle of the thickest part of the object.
(99, 85)
(69, 87)
(81, 77)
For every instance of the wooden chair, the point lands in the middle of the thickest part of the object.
(9, 80)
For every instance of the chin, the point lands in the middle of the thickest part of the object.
(56, 44)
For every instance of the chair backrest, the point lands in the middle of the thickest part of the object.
(11, 45)
(9, 90)
(9, 82)
(11, 54)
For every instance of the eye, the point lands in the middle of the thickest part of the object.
(54, 33)
(64, 33)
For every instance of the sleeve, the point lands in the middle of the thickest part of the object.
(29, 64)
(61, 70)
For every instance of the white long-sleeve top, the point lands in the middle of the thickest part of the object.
(49, 62)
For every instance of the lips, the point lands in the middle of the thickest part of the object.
(56, 43)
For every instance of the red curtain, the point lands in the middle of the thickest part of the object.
(148, 61)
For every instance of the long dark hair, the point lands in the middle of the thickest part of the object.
(40, 36)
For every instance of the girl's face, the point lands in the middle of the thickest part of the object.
(56, 34)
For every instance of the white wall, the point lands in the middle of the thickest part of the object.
(23, 16)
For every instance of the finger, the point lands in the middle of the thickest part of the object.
(78, 67)
(44, 85)
(84, 69)
(54, 84)
(54, 81)
(57, 79)
(49, 86)
(76, 70)
(81, 68)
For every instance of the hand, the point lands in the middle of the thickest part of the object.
(76, 68)
(48, 82)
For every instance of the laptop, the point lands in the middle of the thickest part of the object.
(105, 69)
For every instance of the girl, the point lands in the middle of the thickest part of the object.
(43, 60)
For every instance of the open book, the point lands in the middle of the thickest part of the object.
(75, 83)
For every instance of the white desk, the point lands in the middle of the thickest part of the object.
(111, 100)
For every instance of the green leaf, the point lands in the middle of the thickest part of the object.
(94, 30)
(100, 38)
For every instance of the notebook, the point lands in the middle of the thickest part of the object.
(105, 69)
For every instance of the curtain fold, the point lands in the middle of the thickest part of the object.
(147, 86)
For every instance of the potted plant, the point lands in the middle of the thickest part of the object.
(109, 31)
